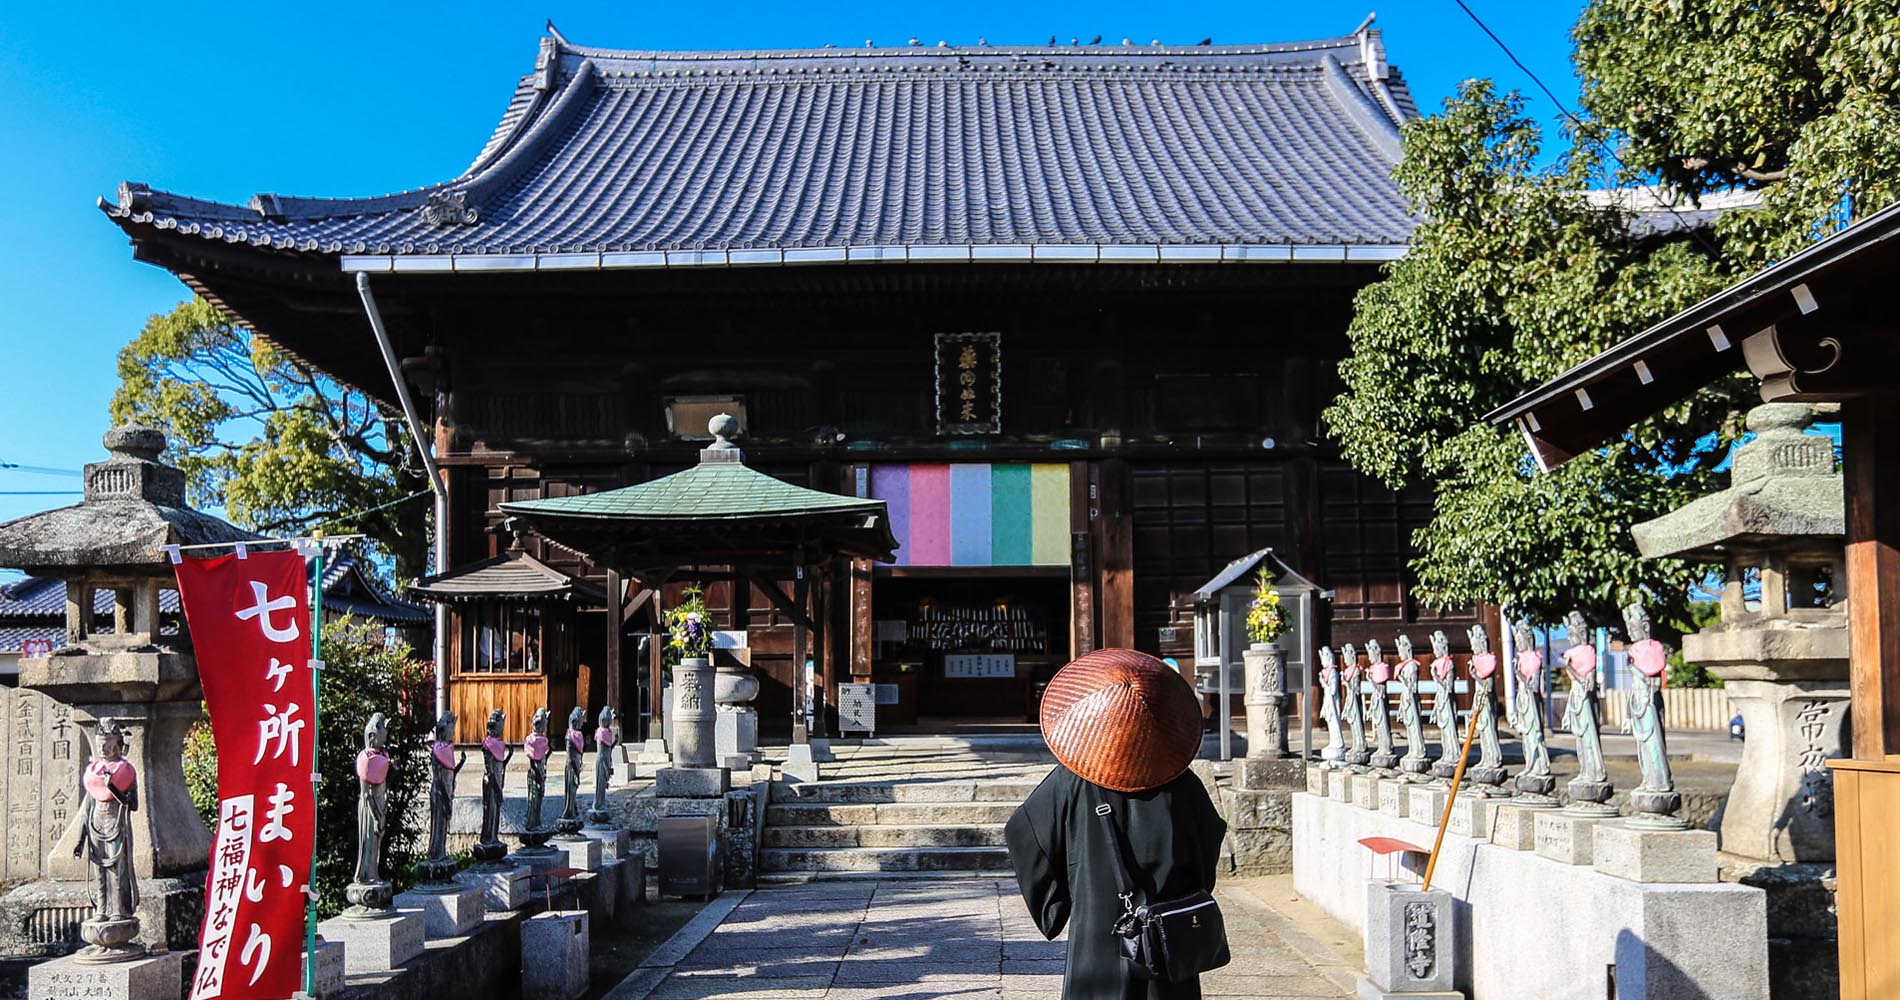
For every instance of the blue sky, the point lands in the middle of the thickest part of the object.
(224, 100)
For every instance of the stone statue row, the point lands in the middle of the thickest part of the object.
(1356, 699)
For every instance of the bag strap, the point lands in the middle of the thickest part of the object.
(1122, 886)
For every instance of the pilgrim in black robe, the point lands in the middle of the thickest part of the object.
(1063, 860)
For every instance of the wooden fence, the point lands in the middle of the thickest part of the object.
(1684, 709)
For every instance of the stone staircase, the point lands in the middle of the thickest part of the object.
(899, 828)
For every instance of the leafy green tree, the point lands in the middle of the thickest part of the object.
(1514, 275)
(361, 676)
(280, 447)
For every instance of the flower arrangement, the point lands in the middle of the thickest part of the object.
(689, 626)
(1265, 620)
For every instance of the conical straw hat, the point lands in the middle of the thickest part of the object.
(1122, 719)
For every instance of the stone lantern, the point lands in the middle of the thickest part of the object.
(1782, 658)
(113, 541)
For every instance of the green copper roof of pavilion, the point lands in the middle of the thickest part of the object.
(717, 489)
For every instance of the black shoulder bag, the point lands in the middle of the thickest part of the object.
(1173, 940)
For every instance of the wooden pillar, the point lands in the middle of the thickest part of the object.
(801, 599)
(1115, 526)
(616, 603)
(821, 648)
(1870, 438)
(656, 663)
(861, 621)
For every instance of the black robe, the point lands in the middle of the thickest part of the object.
(1062, 856)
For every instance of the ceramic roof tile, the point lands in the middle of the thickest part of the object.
(605, 150)
(707, 490)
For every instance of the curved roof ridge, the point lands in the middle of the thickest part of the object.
(951, 51)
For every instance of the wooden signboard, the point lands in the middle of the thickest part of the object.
(963, 665)
(969, 383)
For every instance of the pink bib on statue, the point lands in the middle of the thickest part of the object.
(1529, 663)
(1649, 657)
(444, 753)
(604, 737)
(537, 746)
(1483, 665)
(104, 775)
(495, 747)
(1581, 661)
(575, 741)
(372, 765)
(1379, 670)
(1441, 669)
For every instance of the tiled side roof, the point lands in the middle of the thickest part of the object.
(707, 490)
(39, 597)
(605, 151)
(511, 574)
(45, 597)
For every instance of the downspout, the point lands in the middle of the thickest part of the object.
(436, 485)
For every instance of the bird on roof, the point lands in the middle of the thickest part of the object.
(983, 42)
(1127, 42)
(942, 44)
(1073, 42)
(1209, 40)
(1156, 42)
(1052, 41)
(869, 44)
(914, 40)
(1097, 40)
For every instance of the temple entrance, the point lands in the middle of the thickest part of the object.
(966, 650)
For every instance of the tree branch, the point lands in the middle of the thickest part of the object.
(1736, 167)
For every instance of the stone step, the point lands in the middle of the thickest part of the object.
(800, 878)
(889, 814)
(985, 835)
(874, 792)
(883, 859)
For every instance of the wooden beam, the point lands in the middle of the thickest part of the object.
(792, 608)
(1870, 437)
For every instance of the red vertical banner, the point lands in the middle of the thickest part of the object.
(250, 627)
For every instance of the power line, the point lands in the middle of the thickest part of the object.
(1693, 232)
(41, 493)
(352, 518)
(39, 469)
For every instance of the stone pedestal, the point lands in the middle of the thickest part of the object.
(692, 729)
(1365, 791)
(549, 856)
(736, 728)
(692, 782)
(649, 759)
(1426, 803)
(378, 945)
(1260, 773)
(1393, 799)
(583, 854)
(614, 842)
(1339, 785)
(1565, 836)
(633, 878)
(1781, 807)
(330, 968)
(801, 764)
(1514, 825)
(1472, 816)
(1316, 781)
(1409, 942)
(160, 977)
(1264, 679)
(608, 887)
(1640, 855)
(554, 956)
(446, 914)
(502, 890)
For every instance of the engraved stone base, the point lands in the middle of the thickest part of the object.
(1564, 836)
(609, 886)
(1253, 773)
(1640, 855)
(614, 843)
(330, 962)
(1339, 785)
(1367, 990)
(693, 782)
(1316, 781)
(554, 956)
(542, 858)
(376, 945)
(446, 914)
(583, 854)
(502, 890)
(1365, 791)
(1426, 803)
(1392, 800)
(1409, 938)
(1473, 816)
(1514, 825)
(158, 977)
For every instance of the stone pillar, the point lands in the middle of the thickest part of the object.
(736, 730)
(1781, 807)
(692, 729)
(1265, 678)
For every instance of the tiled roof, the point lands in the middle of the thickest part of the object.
(709, 490)
(1129, 147)
(514, 573)
(346, 588)
(45, 597)
(13, 637)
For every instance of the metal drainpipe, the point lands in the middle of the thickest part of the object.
(427, 451)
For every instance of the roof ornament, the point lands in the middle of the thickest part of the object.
(723, 428)
(448, 208)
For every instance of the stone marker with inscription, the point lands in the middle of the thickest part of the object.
(1410, 944)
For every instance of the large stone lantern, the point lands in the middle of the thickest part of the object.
(1783, 657)
(128, 668)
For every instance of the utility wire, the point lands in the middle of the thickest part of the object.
(352, 518)
(1694, 232)
(40, 470)
(41, 493)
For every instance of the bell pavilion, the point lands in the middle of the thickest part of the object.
(1071, 313)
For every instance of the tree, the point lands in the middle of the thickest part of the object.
(280, 447)
(1514, 275)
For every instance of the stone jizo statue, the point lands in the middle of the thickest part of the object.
(570, 823)
(367, 890)
(534, 836)
(110, 795)
(495, 756)
(1445, 707)
(600, 815)
(444, 764)
(1488, 773)
(1591, 788)
(1534, 782)
(1354, 704)
(1411, 714)
(1334, 752)
(1655, 800)
(1379, 672)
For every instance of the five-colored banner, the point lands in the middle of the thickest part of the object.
(970, 514)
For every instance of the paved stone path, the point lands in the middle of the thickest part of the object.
(966, 939)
